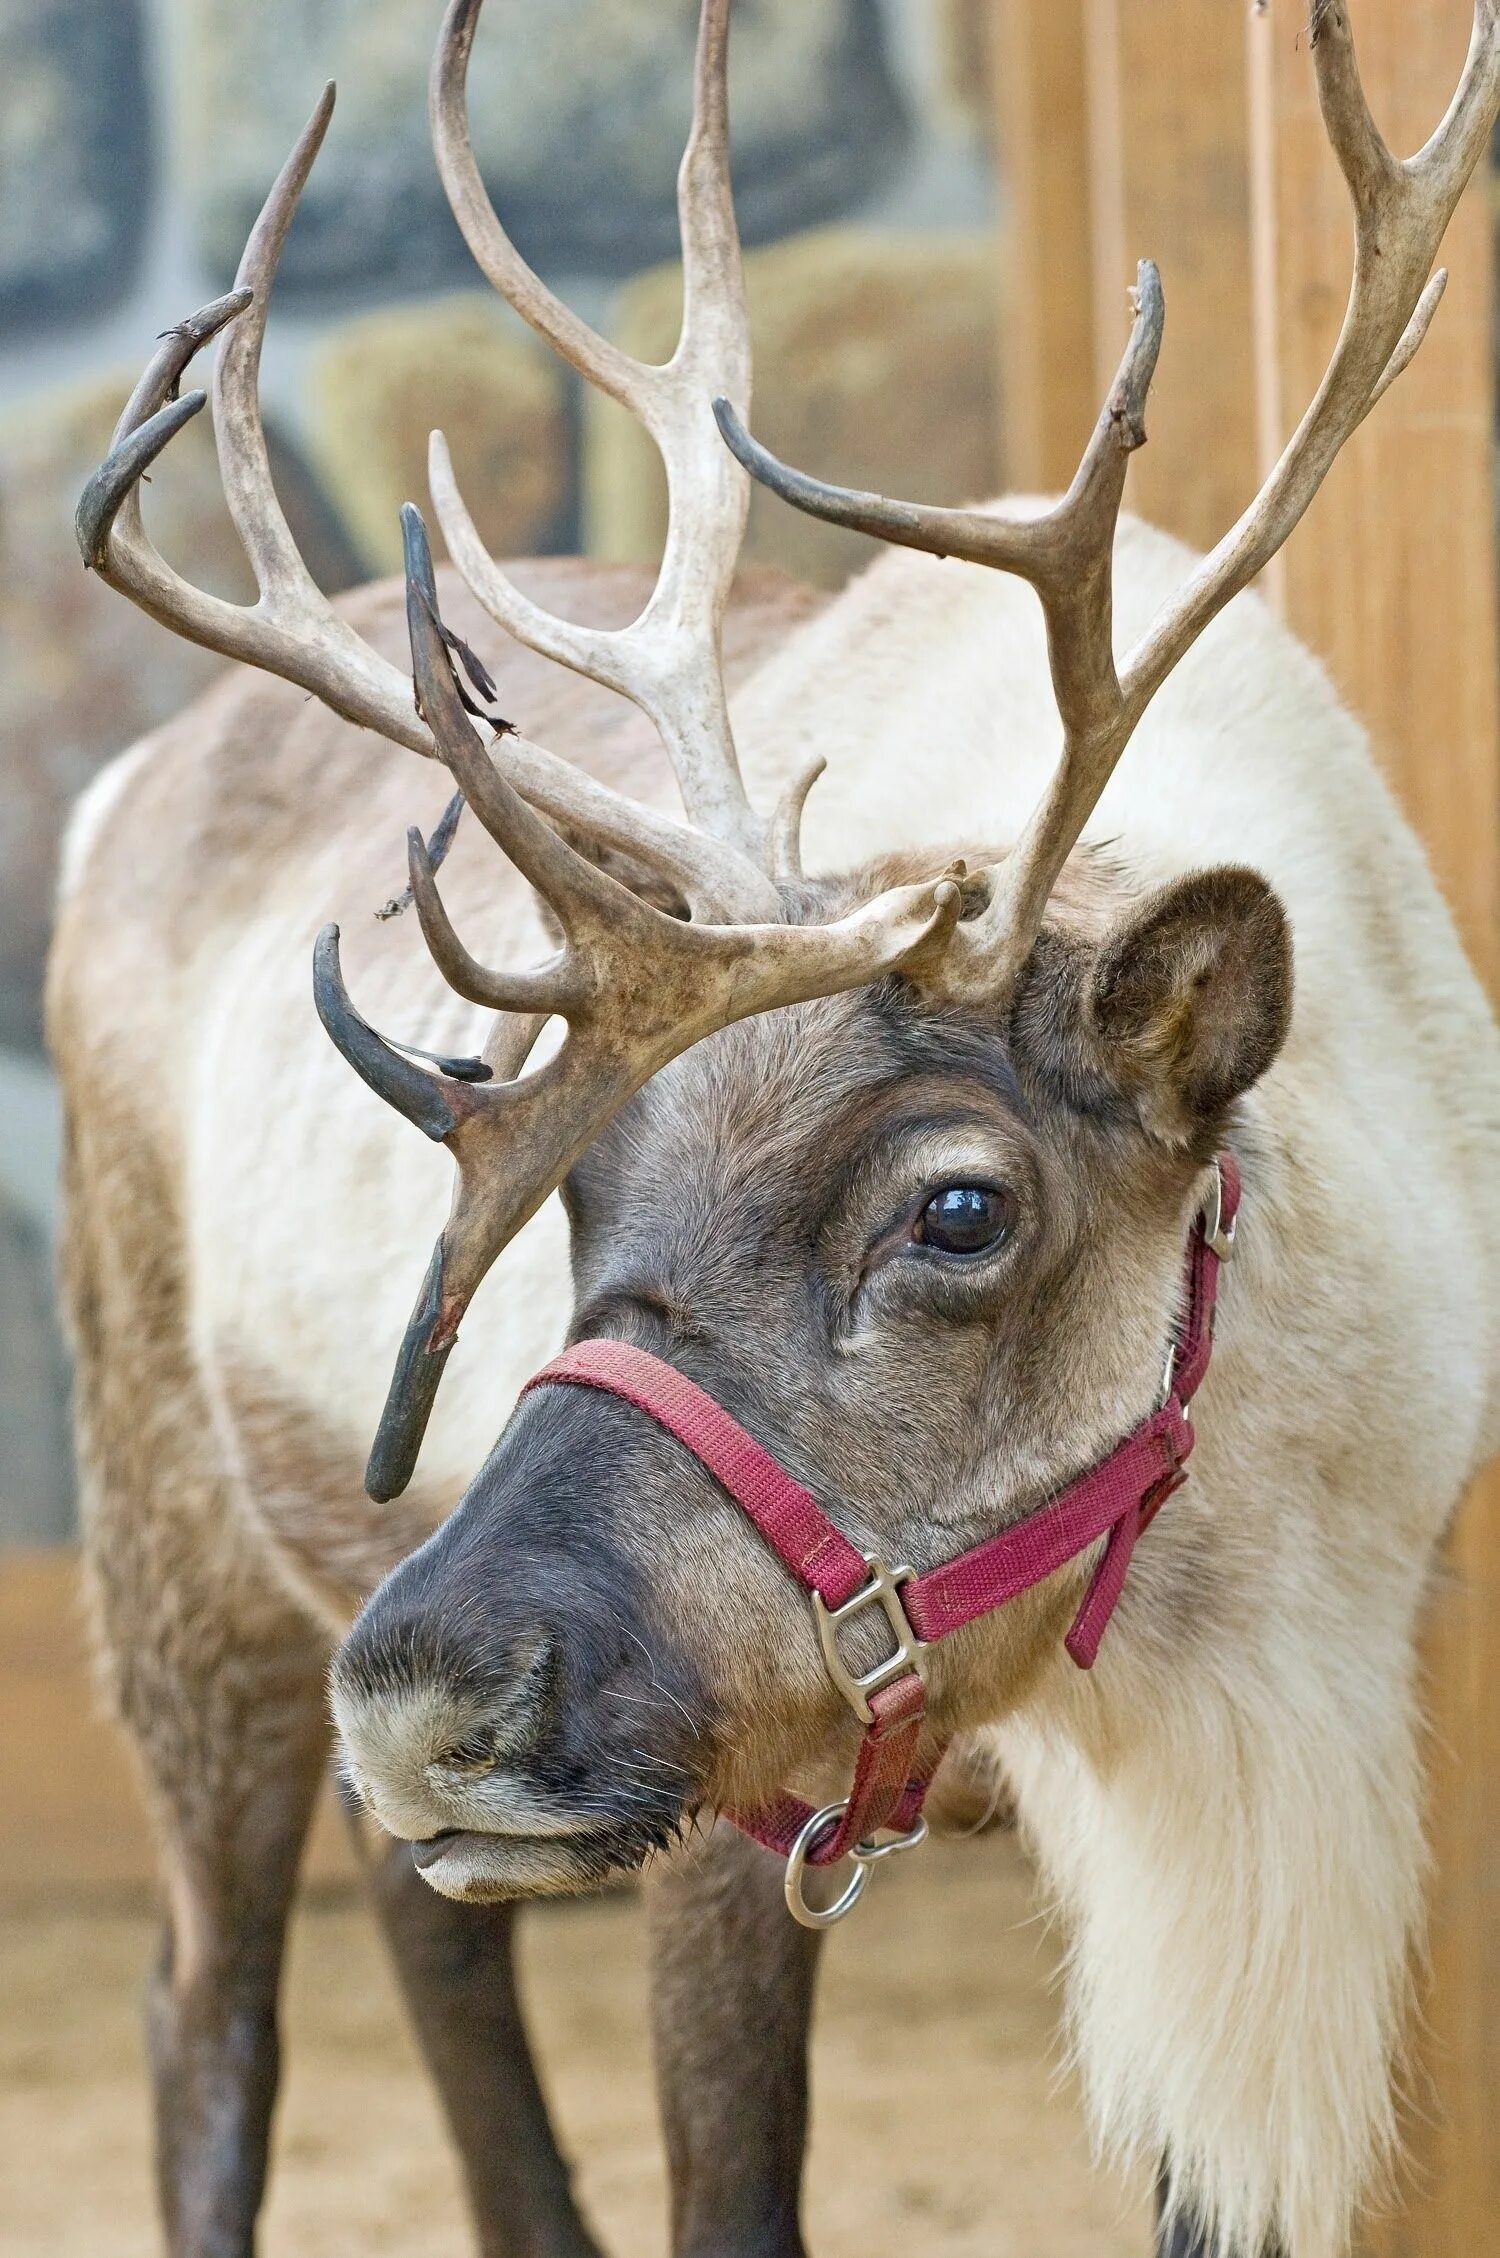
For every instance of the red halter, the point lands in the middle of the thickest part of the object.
(1116, 1498)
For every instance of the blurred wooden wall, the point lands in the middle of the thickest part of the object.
(1188, 130)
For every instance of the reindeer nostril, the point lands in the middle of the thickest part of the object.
(475, 1754)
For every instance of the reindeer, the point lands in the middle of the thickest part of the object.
(878, 1178)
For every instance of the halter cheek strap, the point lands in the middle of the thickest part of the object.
(1116, 1499)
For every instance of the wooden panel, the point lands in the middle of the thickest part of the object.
(1391, 579)
(1169, 180)
(1047, 401)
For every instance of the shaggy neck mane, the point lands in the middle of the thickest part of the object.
(1234, 1840)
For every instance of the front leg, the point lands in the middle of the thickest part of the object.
(455, 1967)
(731, 2005)
(1185, 2237)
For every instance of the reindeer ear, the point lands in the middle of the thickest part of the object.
(1188, 1001)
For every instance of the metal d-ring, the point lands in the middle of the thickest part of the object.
(864, 1855)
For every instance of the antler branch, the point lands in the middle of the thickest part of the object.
(1400, 213)
(292, 630)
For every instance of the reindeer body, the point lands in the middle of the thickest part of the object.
(1234, 1835)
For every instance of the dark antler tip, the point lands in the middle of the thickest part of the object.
(418, 861)
(104, 496)
(416, 551)
(731, 430)
(408, 1405)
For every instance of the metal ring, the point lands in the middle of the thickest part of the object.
(811, 1916)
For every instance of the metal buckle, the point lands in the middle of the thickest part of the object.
(1216, 1238)
(882, 1591)
(864, 1854)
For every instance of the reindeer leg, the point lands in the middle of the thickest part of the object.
(220, 1684)
(455, 1967)
(731, 2003)
(211, 2008)
(1185, 2238)
(216, 1675)
(1188, 2238)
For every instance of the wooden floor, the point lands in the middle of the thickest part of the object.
(937, 2015)
(936, 2019)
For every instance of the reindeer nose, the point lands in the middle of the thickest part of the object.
(426, 1723)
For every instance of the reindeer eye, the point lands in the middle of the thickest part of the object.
(964, 1219)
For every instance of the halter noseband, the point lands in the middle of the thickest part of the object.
(1117, 1498)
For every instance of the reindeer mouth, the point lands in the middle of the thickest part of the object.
(479, 1868)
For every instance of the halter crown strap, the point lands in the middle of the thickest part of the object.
(1117, 1499)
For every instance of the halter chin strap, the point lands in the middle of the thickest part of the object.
(1116, 1499)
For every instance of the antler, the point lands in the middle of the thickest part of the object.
(1400, 213)
(292, 630)
(668, 661)
(635, 987)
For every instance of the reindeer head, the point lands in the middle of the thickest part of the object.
(898, 1165)
(928, 1254)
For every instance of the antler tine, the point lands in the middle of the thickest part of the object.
(548, 988)
(153, 415)
(1064, 554)
(1400, 213)
(668, 661)
(585, 900)
(715, 326)
(286, 586)
(494, 253)
(786, 823)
